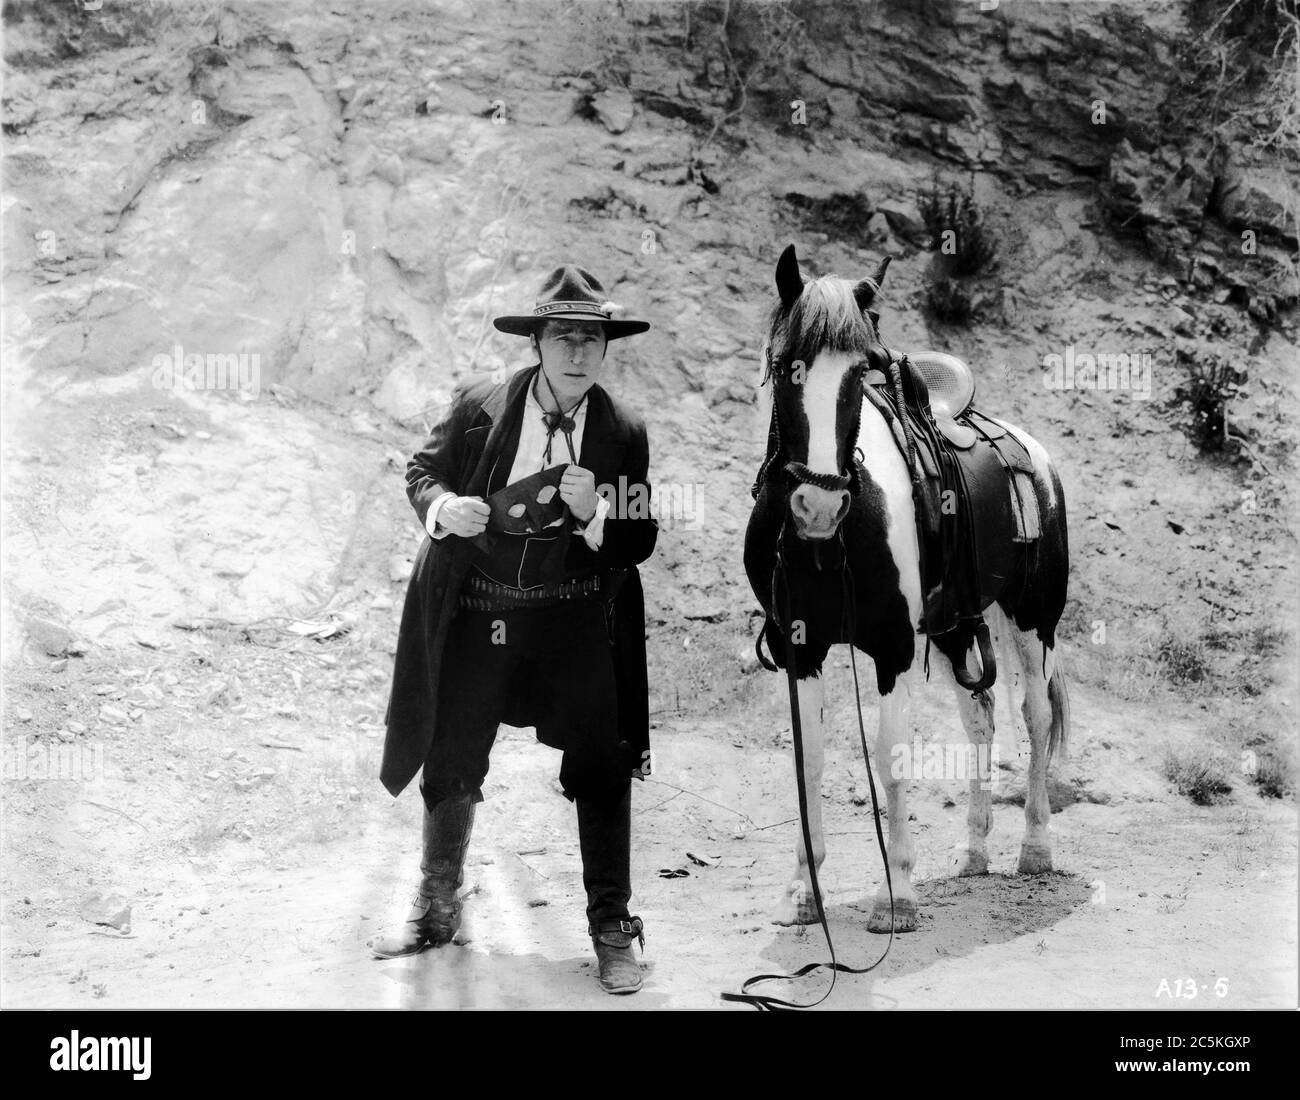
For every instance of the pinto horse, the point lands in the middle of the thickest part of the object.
(834, 529)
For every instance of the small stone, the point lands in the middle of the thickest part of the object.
(614, 108)
(54, 639)
(22, 714)
(77, 727)
(111, 909)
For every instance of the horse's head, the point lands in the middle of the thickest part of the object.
(821, 338)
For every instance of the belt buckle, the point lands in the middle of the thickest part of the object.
(625, 926)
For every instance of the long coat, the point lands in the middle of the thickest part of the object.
(458, 457)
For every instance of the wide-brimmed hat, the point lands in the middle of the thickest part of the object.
(572, 294)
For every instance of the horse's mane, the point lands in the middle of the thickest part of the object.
(826, 317)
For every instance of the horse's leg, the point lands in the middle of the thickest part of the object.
(895, 728)
(1039, 710)
(798, 906)
(977, 718)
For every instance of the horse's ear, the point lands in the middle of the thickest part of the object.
(879, 277)
(789, 283)
(865, 292)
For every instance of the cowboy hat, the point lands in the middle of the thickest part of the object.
(571, 293)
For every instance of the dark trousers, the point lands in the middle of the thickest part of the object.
(547, 667)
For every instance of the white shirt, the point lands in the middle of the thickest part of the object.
(531, 458)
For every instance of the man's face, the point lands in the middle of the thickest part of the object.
(572, 354)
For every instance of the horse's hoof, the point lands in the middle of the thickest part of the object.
(797, 907)
(972, 863)
(1035, 859)
(904, 917)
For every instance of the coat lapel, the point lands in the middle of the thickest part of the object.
(602, 450)
(502, 406)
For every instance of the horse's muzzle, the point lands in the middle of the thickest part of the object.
(818, 512)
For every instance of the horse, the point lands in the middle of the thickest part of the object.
(834, 529)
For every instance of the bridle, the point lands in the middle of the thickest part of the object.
(804, 476)
(799, 471)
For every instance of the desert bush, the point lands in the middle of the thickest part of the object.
(1274, 775)
(1211, 382)
(1197, 773)
(947, 300)
(953, 218)
(1183, 659)
(962, 246)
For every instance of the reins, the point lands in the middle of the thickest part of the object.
(780, 580)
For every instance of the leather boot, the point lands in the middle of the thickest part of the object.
(604, 837)
(435, 911)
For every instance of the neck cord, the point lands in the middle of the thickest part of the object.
(559, 420)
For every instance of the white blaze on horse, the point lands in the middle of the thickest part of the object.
(852, 563)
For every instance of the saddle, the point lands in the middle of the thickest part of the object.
(976, 508)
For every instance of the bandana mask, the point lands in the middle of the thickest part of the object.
(530, 505)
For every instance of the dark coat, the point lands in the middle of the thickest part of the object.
(458, 457)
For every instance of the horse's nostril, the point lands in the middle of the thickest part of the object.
(844, 507)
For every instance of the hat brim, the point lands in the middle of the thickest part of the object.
(527, 324)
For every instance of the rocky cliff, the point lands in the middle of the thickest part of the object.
(344, 195)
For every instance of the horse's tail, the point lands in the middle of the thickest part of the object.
(1058, 694)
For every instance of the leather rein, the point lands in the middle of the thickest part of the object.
(780, 596)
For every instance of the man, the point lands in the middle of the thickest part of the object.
(525, 606)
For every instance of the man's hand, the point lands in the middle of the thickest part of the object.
(464, 516)
(578, 491)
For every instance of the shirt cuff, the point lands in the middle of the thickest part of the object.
(431, 517)
(593, 533)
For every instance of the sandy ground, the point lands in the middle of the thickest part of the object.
(1148, 888)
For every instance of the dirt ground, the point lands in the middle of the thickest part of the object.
(1147, 889)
